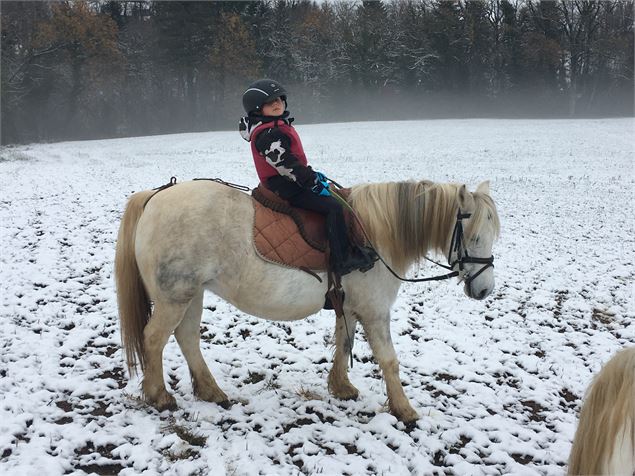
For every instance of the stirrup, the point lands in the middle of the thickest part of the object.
(334, 297)
(328, 305)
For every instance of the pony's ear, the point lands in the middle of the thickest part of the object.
(466, 200)
(483, 187)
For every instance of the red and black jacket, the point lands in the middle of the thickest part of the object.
(278, 155)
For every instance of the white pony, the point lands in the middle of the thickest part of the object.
(604, 442)
(198, 235)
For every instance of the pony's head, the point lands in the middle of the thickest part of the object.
(406, 220)
(470, 247)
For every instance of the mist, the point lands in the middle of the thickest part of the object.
(144, 68)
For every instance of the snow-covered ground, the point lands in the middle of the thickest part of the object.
(497, 383)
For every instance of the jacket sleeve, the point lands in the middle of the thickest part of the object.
(275, 145)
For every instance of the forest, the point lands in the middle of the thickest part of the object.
(74, 70)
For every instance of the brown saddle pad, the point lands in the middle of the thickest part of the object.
(292, 236)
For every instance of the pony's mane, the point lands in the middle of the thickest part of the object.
(405, 220)
(607, 420)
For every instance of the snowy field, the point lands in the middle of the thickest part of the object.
(497, 383)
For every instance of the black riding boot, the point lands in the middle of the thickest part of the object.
(360, 258)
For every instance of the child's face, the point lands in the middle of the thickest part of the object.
(275, 107)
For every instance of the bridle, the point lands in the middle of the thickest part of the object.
(457, 245)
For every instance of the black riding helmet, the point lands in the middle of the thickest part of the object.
(261, 92)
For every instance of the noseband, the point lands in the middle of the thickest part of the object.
(462, 257)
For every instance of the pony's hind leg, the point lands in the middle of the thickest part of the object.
(339, 384)
(378, 334)
(165, 317)
(188, 336)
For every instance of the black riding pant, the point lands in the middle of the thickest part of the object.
(329, 207)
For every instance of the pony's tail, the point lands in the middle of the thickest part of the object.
(604, 442)
(132, 298)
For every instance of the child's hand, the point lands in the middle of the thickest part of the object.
(320, 177)
(321, 186)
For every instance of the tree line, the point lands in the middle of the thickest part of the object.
(97, 69)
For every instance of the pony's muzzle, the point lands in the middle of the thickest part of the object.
(478, 294)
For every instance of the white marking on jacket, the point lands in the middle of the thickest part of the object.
(273, 156)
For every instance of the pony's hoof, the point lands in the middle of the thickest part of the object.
(164, 402)
(217, 396)
(225, 404)
(350, 396)
(408, 416)
(344, 391)
(349, 393)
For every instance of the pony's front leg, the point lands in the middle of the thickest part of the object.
(339, 384)
(378, 334)
(165, 317)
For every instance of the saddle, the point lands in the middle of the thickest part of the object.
(294, 237)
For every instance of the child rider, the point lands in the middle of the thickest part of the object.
(283, 168)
